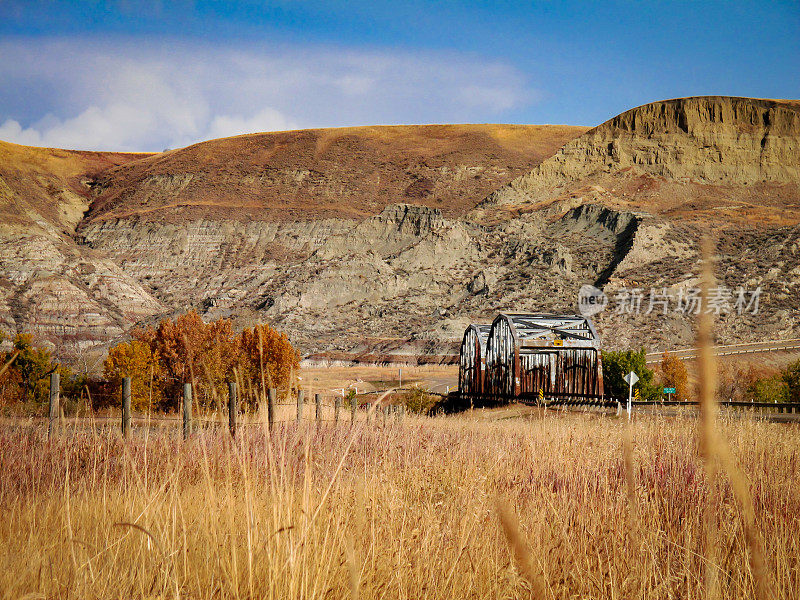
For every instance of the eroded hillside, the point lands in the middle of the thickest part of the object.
(394, 238)
(96, 242)
(729, 167)
(49, 284)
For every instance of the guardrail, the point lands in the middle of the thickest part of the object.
(587, 400)
(728, 350)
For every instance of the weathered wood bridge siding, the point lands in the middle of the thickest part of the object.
(555, 355)
(472, 359)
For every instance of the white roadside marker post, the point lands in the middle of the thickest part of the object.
(630, 379)
(630, 393)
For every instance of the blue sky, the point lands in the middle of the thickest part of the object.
(148, 75)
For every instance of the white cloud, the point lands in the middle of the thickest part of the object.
(142, 95)
(268, 119)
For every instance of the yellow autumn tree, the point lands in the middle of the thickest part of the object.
(674, 374)
(207, 355)
(267, 359)
(193, 351)
(135, 359)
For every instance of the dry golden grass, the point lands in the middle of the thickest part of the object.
(402, 511)
(349, 173)
(329, 380)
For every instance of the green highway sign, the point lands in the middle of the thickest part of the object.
(669, 390)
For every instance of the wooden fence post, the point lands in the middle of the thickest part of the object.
(55, 382)
(400, 412)
(301, 398)
(271, 393)
(337, 407)
(353, 409)
(370, 409)
(233, 407)
(318, 403)
(187, 410)
(126, 406)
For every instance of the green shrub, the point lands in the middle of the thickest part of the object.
(34, 365)
(791, 377)
(618, 364)
(769, 389)
(419, 401)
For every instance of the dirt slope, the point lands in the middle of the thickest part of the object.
(48, 185)
(326, 173)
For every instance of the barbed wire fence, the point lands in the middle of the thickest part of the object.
(265, 415)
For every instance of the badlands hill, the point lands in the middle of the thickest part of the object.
(95, 242)
(49, 284)
(681, 168)
(384, 239)
(325, 173)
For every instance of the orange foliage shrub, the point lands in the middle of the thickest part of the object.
(733, 381)
(10, 382)
(745, 383)
(193, 351)
(189, 350)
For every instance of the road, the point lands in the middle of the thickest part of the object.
(730, 349)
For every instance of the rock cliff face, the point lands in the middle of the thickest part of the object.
(708, 140)
(372, 238)
(49, 285)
